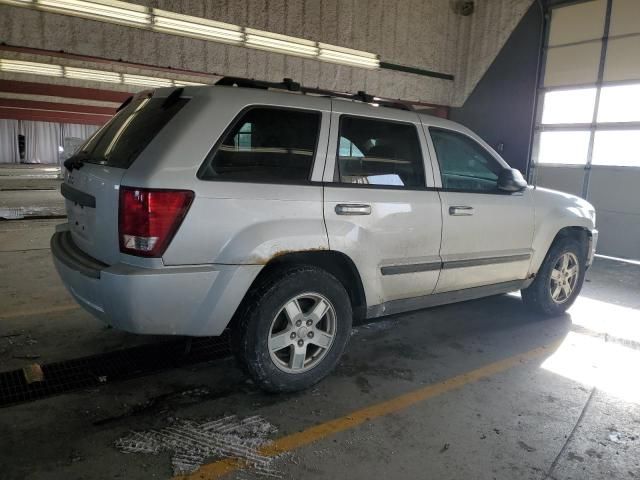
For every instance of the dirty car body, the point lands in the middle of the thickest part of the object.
(400, 229)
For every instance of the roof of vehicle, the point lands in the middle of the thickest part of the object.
(366, 100)
(281, 92)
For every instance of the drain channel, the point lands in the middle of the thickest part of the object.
(94, 370)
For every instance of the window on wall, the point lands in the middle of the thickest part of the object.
(590, 97)
(617, 148)
(569, 106)
(566, 148)
(619, 103)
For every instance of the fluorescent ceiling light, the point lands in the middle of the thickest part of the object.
(21, 3)
(89, 74)
(125, 13)
(274, 42)
(184, 83)
(189, 26)
(348, 56)
(146, 81)
(19, 66)
(105, 10)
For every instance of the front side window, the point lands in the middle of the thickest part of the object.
(464, 164)
(378, 152)
(266, 145)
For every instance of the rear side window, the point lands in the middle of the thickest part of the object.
(378, 152)
(266, 145)
(128, 133)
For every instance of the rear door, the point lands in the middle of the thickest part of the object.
(94, 173)
(487, 233)
(379, 207)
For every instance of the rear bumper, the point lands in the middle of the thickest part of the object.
(191, 300)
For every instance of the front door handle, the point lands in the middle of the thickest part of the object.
(353, 209)
(461, 210)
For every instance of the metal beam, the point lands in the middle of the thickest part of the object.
(52, 116)
(33, 88)
(56, 107)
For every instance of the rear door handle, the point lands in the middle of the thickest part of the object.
(353, 209)
(461, 210)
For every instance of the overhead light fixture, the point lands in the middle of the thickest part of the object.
(184, 83)
(89, 74)
(274, 42)
(145, 81)
(20, 3)
(75, 73)
(195, 27)
(106, 10)
(348, 56)
(124, 13)
(34, 68)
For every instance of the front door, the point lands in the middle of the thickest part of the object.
(378, 208)
(487, 233)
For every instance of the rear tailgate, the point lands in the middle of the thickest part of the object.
(91, 195)
(94, 173)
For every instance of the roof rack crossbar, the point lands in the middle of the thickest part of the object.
(293, 86)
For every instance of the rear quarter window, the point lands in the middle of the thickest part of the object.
(266, 144)
(128, 133)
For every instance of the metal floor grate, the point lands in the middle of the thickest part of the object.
(84, 372)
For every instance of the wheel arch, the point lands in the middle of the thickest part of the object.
(336, 263)
(580, 233)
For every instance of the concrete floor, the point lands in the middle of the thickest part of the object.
(30, 191)
(571, 411)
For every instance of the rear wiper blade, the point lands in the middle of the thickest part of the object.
(172, 98)
(125, 103)
(73, 162)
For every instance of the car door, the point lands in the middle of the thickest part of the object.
(486, 233)
(378, 208)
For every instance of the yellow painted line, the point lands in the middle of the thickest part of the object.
(294, 441)
(41, 311)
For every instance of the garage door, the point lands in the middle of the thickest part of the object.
(587, 138)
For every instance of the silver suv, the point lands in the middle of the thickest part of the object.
(283, 213)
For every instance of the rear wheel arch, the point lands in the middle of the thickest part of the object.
(336, 263)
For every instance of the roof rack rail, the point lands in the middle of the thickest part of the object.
(293, 86)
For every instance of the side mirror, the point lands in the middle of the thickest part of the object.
(511, 180)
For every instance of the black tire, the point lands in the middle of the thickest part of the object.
(251, 332)
(538, 296)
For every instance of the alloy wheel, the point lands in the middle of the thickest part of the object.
(302, 333)
(564, 277)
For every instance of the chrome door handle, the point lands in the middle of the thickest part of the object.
(353, 209)
(461, 210)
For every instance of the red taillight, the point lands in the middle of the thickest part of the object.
(148, 219)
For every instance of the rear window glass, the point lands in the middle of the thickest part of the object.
(266, 145)
(128, 133)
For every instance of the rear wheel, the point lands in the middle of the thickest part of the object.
(559, 280)
(293, 329)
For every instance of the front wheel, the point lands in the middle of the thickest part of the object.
(293, 329)
(559, 280)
